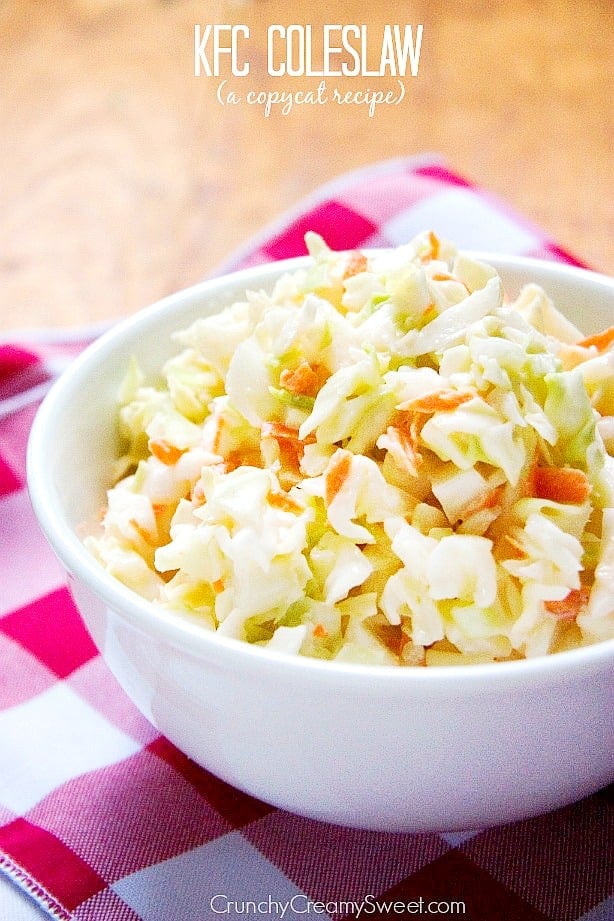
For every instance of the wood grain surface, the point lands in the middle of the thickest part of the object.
(123, 178)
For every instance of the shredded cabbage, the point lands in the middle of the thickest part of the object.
(381, 461)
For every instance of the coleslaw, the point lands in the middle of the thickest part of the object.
(381, 461)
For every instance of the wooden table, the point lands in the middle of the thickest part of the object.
(124, 178)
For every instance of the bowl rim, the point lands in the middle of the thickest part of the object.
(187, 633)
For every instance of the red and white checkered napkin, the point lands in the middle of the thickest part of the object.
(102, 818)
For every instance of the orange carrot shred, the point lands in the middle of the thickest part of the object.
(284, 502)
(304, 380)
(320, 631)
(488, 500)
(434, 241)
(166, 453)
(290, 445)
(141, 531)
(440, 401)
(336, 474)
(280, 431)
(561, 484)
(601, 340)
(569, 607)
(248, 457)
(402, 446)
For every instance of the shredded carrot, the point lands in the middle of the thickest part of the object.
(336, 474)
(291, 455)
(402, 447)
(357, 263)
(145, 535)
(433, 251)
(218, 586)
(561, 484)
(305, 380)
(283, 501)
(411, 423)
(569, 607)
(440, 401)
(428, 313)
(443, 276)
(280, 431)
(320, 631)
(602, 340)
(290, 445)
(166, 453)
(248, 457)
(489, 499)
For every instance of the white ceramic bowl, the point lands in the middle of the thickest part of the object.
(375, 747)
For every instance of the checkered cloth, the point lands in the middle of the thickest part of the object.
(102, 818)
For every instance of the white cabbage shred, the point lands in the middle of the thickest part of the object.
(381, 461)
